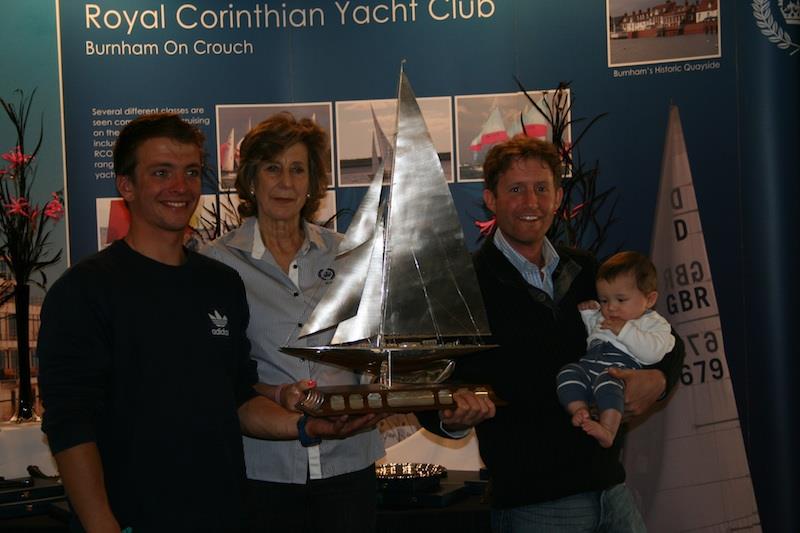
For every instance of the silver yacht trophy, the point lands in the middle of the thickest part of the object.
(405, 299)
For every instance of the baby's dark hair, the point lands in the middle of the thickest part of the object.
(634, 263)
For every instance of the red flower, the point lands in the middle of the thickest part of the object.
(17, 206)
(576, 210)
(485, 227)
(54, 208)
(16, 158)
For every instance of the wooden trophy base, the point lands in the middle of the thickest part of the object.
(375, 398)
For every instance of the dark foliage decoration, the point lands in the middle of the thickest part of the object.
(24, 237)
(585, 214)
(217, 219)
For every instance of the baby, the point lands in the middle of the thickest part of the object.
(624, 332)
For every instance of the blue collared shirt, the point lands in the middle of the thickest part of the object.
(279, 303)
(541, 278)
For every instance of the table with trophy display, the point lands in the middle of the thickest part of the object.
(425, 497)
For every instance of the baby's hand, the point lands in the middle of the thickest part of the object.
(614, 325)
(588, 305)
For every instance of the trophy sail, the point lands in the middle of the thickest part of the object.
(367, 322)
(431, 288)
(405, 292)
(384, 146)
(362, 226)
(341, 302)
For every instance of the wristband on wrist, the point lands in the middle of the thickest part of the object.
(302, 436)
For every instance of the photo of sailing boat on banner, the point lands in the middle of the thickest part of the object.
(654, 31)
(484, 120)
(235, 120)
(365, 131)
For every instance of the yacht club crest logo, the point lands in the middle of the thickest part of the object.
(326, 274)
(790, 9)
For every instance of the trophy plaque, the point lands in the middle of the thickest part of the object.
(399, 398)
(405, 296)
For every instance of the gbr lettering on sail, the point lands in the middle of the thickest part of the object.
(684, 283)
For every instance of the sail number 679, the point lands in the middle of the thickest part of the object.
(697, 373)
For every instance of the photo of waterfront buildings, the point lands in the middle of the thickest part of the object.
(649, 31)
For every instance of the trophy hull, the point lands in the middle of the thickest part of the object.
(375, 398)
(403, 357)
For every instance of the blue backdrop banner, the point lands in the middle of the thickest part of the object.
(730, 66)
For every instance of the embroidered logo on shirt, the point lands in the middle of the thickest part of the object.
(220, 321)
(326, 274)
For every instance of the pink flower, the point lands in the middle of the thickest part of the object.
(485, 227)
(17, 206)
(54, 208)
(16, 158)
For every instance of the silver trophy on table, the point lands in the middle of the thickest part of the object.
(405, 299)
